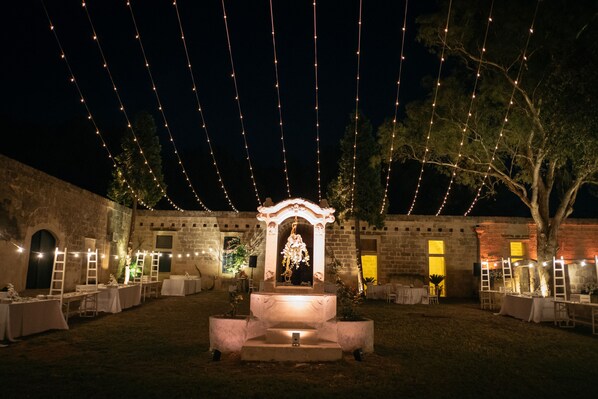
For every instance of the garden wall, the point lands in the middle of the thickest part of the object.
(31, 201)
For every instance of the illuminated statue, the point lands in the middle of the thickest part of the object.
(294, 252)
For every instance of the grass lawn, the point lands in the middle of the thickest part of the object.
(160, 349)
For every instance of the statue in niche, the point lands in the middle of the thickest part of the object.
(295, 255)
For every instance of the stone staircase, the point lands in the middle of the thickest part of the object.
(276, 317)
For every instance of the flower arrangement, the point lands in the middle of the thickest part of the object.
(234, 299)
(590, 289)
(112, 282)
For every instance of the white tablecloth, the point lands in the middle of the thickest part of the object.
(411, 296)
(25, 318)
(528, 308)
(114, 300)
(375, 291)
(181, 287)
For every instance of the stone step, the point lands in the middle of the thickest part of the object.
(284, 335)
(257, 349)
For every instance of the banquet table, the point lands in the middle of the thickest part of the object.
(31, 317)
(375, 291)
(576, 312)
(528, 308)
(411, 295)
(180, 286)
(115, 299)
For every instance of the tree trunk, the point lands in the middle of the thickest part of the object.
(358, 256)
(547, 243)
(132, 226)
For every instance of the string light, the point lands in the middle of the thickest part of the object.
(122, 108)
(421, 172)
(394, 120)
(515, 83)
(161, 110)
(89, 114)
(317, 104)
(284, 152)
(238, 100)
(353, 172)
(200, 109)
(469, 111)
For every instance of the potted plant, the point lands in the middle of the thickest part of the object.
(228, 331)
(353, 330)
(436, 279)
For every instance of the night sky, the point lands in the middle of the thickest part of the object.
(44, 124)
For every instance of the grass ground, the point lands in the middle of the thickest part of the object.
(160, 349)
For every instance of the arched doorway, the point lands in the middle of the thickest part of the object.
(41, 259)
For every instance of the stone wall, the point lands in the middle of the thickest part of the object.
(79, 220)
(31, 201)
(197, 240)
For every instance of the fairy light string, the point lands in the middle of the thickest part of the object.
(394, 119)
(161, 109)
(122, 108)
(516, 83)
(284, 152)
(356, 109)
(426, 149)
(238, 100)
(469, 111)
(317, 105)
(200, 109)
(90, 117)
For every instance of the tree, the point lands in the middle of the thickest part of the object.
(133, 172)
(368, 190)
(548, 144)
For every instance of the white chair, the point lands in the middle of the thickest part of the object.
(433, 298)
(391, 296)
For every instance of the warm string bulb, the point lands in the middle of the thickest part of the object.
(394, 120)
(284, 153)
(354, 170)
(122, 108)
(469, 112)
(161, 109)
(87, 109)
(237, 99)
(317, 107)
(426, 148)
(506, 118)
(200, 110)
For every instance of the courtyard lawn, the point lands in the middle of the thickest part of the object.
(160, 349)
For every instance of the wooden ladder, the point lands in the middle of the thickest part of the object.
(559, 278)
(92, 267)
(507, 276)
(58, 274)
(155, 267)
(140, 266)
(561, 314)
(485, 294)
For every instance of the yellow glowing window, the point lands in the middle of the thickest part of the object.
(436, 247)
(370, 266)
(517, 250)
(436, 263)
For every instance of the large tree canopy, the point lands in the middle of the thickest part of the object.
(133, 174)
(543, 145)
(357, 191)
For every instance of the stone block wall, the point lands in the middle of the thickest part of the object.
(197, 240)
(32, 201)
(403, 249)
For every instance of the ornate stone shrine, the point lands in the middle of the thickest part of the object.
(292, 318)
